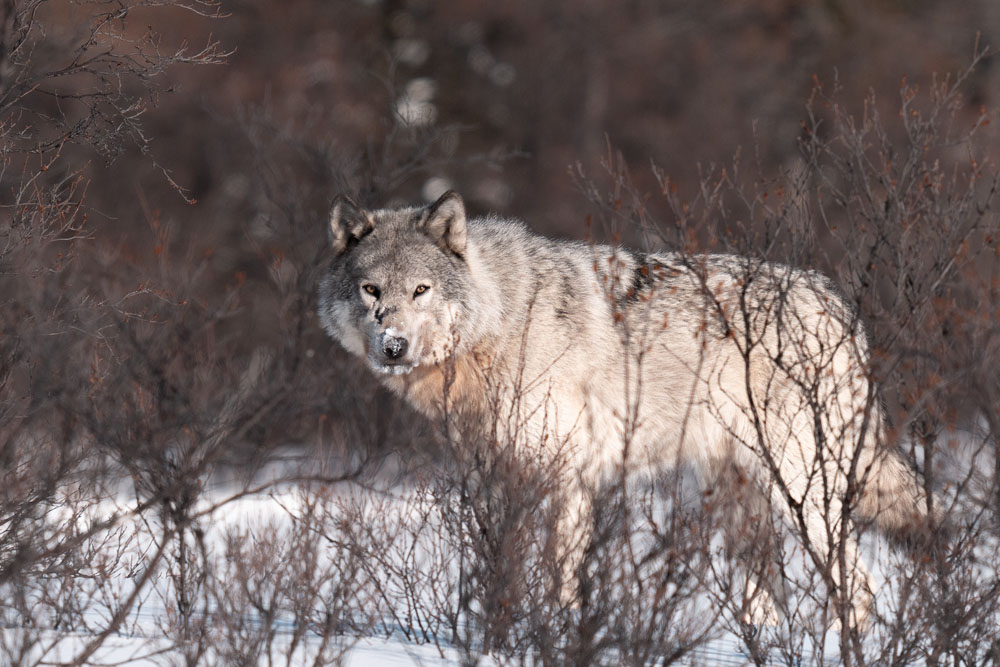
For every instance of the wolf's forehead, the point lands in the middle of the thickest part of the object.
(395, 249)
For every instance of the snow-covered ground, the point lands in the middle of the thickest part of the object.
(148, 634)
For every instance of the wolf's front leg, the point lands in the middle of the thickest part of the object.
(573, 533)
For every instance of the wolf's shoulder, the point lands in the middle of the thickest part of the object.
(494, 229)
(501, 235)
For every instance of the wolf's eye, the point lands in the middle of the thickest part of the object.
(371, 289)
(420, 290)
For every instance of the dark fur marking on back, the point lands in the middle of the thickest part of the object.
(641, 279)
(566, 295)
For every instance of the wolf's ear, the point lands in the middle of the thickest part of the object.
(348, 224)
(444, 222)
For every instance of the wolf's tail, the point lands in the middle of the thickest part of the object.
(893, 496)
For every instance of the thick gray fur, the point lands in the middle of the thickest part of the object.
(623, 358)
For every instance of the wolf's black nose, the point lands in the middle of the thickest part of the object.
(394, 347)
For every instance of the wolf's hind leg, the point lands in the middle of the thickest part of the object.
(849, 578)
(758, 607)
(751, 541)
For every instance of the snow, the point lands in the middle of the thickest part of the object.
(141, 639)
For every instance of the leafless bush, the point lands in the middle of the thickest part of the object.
(315, 596)
(129, 387)
(901, 213)
(470, 561)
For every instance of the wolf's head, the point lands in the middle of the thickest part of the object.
(398, 285)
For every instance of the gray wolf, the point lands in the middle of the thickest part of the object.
(635, 360)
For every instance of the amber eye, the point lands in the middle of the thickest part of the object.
(371, 289)
(420, 290)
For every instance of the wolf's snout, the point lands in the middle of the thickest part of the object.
(394, 347)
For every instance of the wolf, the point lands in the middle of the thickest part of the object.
(633, 360)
